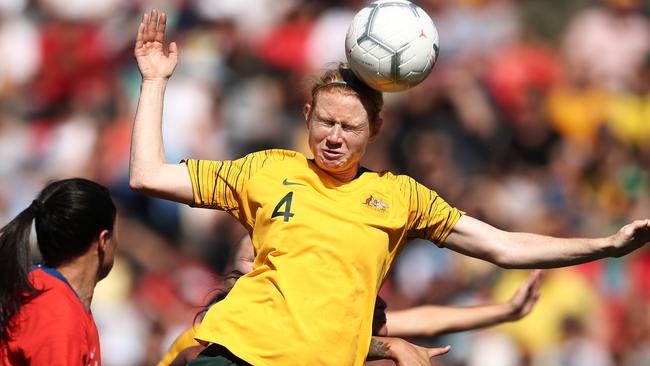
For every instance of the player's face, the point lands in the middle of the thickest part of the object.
(339, 132)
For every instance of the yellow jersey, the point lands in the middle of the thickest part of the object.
(323, 249)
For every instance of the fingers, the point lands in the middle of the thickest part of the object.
(160, 30)
(533, 292)
(152, 26)
(433, 352)
(633, 229)
(528, 287)
(539, 274)
(641, 224)
(527, 295)
(173, 50)
(140, 37)
(537, 277)
(534, 282)
(145, 27)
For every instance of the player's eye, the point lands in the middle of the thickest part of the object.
(351, 128)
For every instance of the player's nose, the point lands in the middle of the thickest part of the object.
(334, 135)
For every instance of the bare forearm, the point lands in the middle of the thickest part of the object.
(147, 151)
(148, 171)
(379, 349)
(523, 250)
(431, 320)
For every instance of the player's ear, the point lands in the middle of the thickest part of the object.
(106, 246)
(306, 110)
(375, 128)
(104, 240)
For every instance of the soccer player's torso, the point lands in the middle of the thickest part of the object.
(322, 251)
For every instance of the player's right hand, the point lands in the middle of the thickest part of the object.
(630, 237)
(408, 354)
(149, 48)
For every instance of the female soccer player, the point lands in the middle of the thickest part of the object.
(326, 231)
(45, 310)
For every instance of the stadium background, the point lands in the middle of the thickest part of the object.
(536, 118)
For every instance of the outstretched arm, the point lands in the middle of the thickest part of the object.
(149, 173)
(402, 352)
(430, 320)
(525, 250)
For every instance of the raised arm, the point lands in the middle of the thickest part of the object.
(431, 320)
(525, 250)
(149, 172)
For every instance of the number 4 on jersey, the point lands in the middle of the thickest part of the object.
(285, 203)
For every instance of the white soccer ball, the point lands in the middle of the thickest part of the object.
(392, 45)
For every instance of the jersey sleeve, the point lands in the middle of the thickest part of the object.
(430, 216)
(219, 184)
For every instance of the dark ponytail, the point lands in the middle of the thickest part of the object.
(14, 265)
(69, 214)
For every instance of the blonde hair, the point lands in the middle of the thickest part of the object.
(343, 80)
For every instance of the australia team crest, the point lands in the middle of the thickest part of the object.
(375, 203)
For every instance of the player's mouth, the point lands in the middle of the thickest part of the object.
(331, 154)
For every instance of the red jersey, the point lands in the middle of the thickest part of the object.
(52, 329)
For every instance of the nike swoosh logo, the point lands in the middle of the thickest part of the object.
(287, 183)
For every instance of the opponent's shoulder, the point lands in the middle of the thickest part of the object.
(56, 300)
(43, 281)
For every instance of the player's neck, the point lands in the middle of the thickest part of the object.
(347, 175)
(82, 278)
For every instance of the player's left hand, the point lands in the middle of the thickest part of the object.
(631, 237)
(523, 301)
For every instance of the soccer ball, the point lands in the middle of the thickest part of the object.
(391, 45)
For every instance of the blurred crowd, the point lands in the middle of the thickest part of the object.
(536, 118)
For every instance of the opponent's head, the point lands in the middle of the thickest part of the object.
(70, 216)
(73, 218)
(343, 117)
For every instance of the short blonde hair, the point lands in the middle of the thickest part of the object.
(343, 80)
